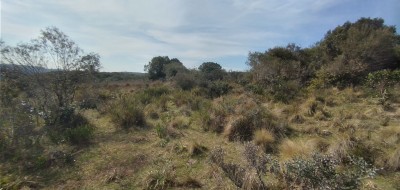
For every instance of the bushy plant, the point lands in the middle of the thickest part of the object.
(218, 88)
(257, 118)
(381, 81)
(185, 81)
(321, 172)
(150, 94)
(127, 113)
(79, 135)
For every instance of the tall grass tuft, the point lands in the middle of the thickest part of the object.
(127, 112)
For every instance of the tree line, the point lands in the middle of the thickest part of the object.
(346, 56)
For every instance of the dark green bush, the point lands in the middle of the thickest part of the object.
(79, 135)
(185, 81)
(218, 88)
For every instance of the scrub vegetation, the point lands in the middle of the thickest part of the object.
(321, 117)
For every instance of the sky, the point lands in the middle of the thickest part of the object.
(127, 34)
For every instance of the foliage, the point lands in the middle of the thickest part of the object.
(321, 172)
(127, 112)
(79, 135)
(353, 50)
(383, 79)
(218, 88)
(52, 67)
(244, 127)
(318, 172)
(211, 71)
(161, 67)
(185, 81)
(150, 94)
(279, 70)
(155, 68)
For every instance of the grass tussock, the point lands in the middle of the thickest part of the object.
(289, 149)
(393, 162)
(265, 139)
(127, 113)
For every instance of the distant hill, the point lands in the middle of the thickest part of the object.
(120, 76)
(101, 76)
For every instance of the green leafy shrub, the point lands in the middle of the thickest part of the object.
(381, 80)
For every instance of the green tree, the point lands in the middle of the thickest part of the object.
(280, 70)
(211, 71)
(353, 50)
(155, 68)
(174, 67)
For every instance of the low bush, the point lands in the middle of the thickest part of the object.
(217, 89)
(185, 81)
(321, 172)
(79, 135)
(244, 127)
(127, 112)
(150, 94)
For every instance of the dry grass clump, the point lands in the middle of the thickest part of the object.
(196, 149)
(341, 147)
(265, 139)
(180, 122)
(393, 162)
(160, 179)
(390, 136)
(289, 149)
(299, 119)
(127, 112)
(243, 128)
(167, 132)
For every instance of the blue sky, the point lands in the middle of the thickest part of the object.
(128, 33)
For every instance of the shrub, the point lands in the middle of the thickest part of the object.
(255, 88)
(79, 135)
(127, 113)
(243, 128)
(321, 172)
(218, 88)
(185, 81)
(150, 94)
(72, 127)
